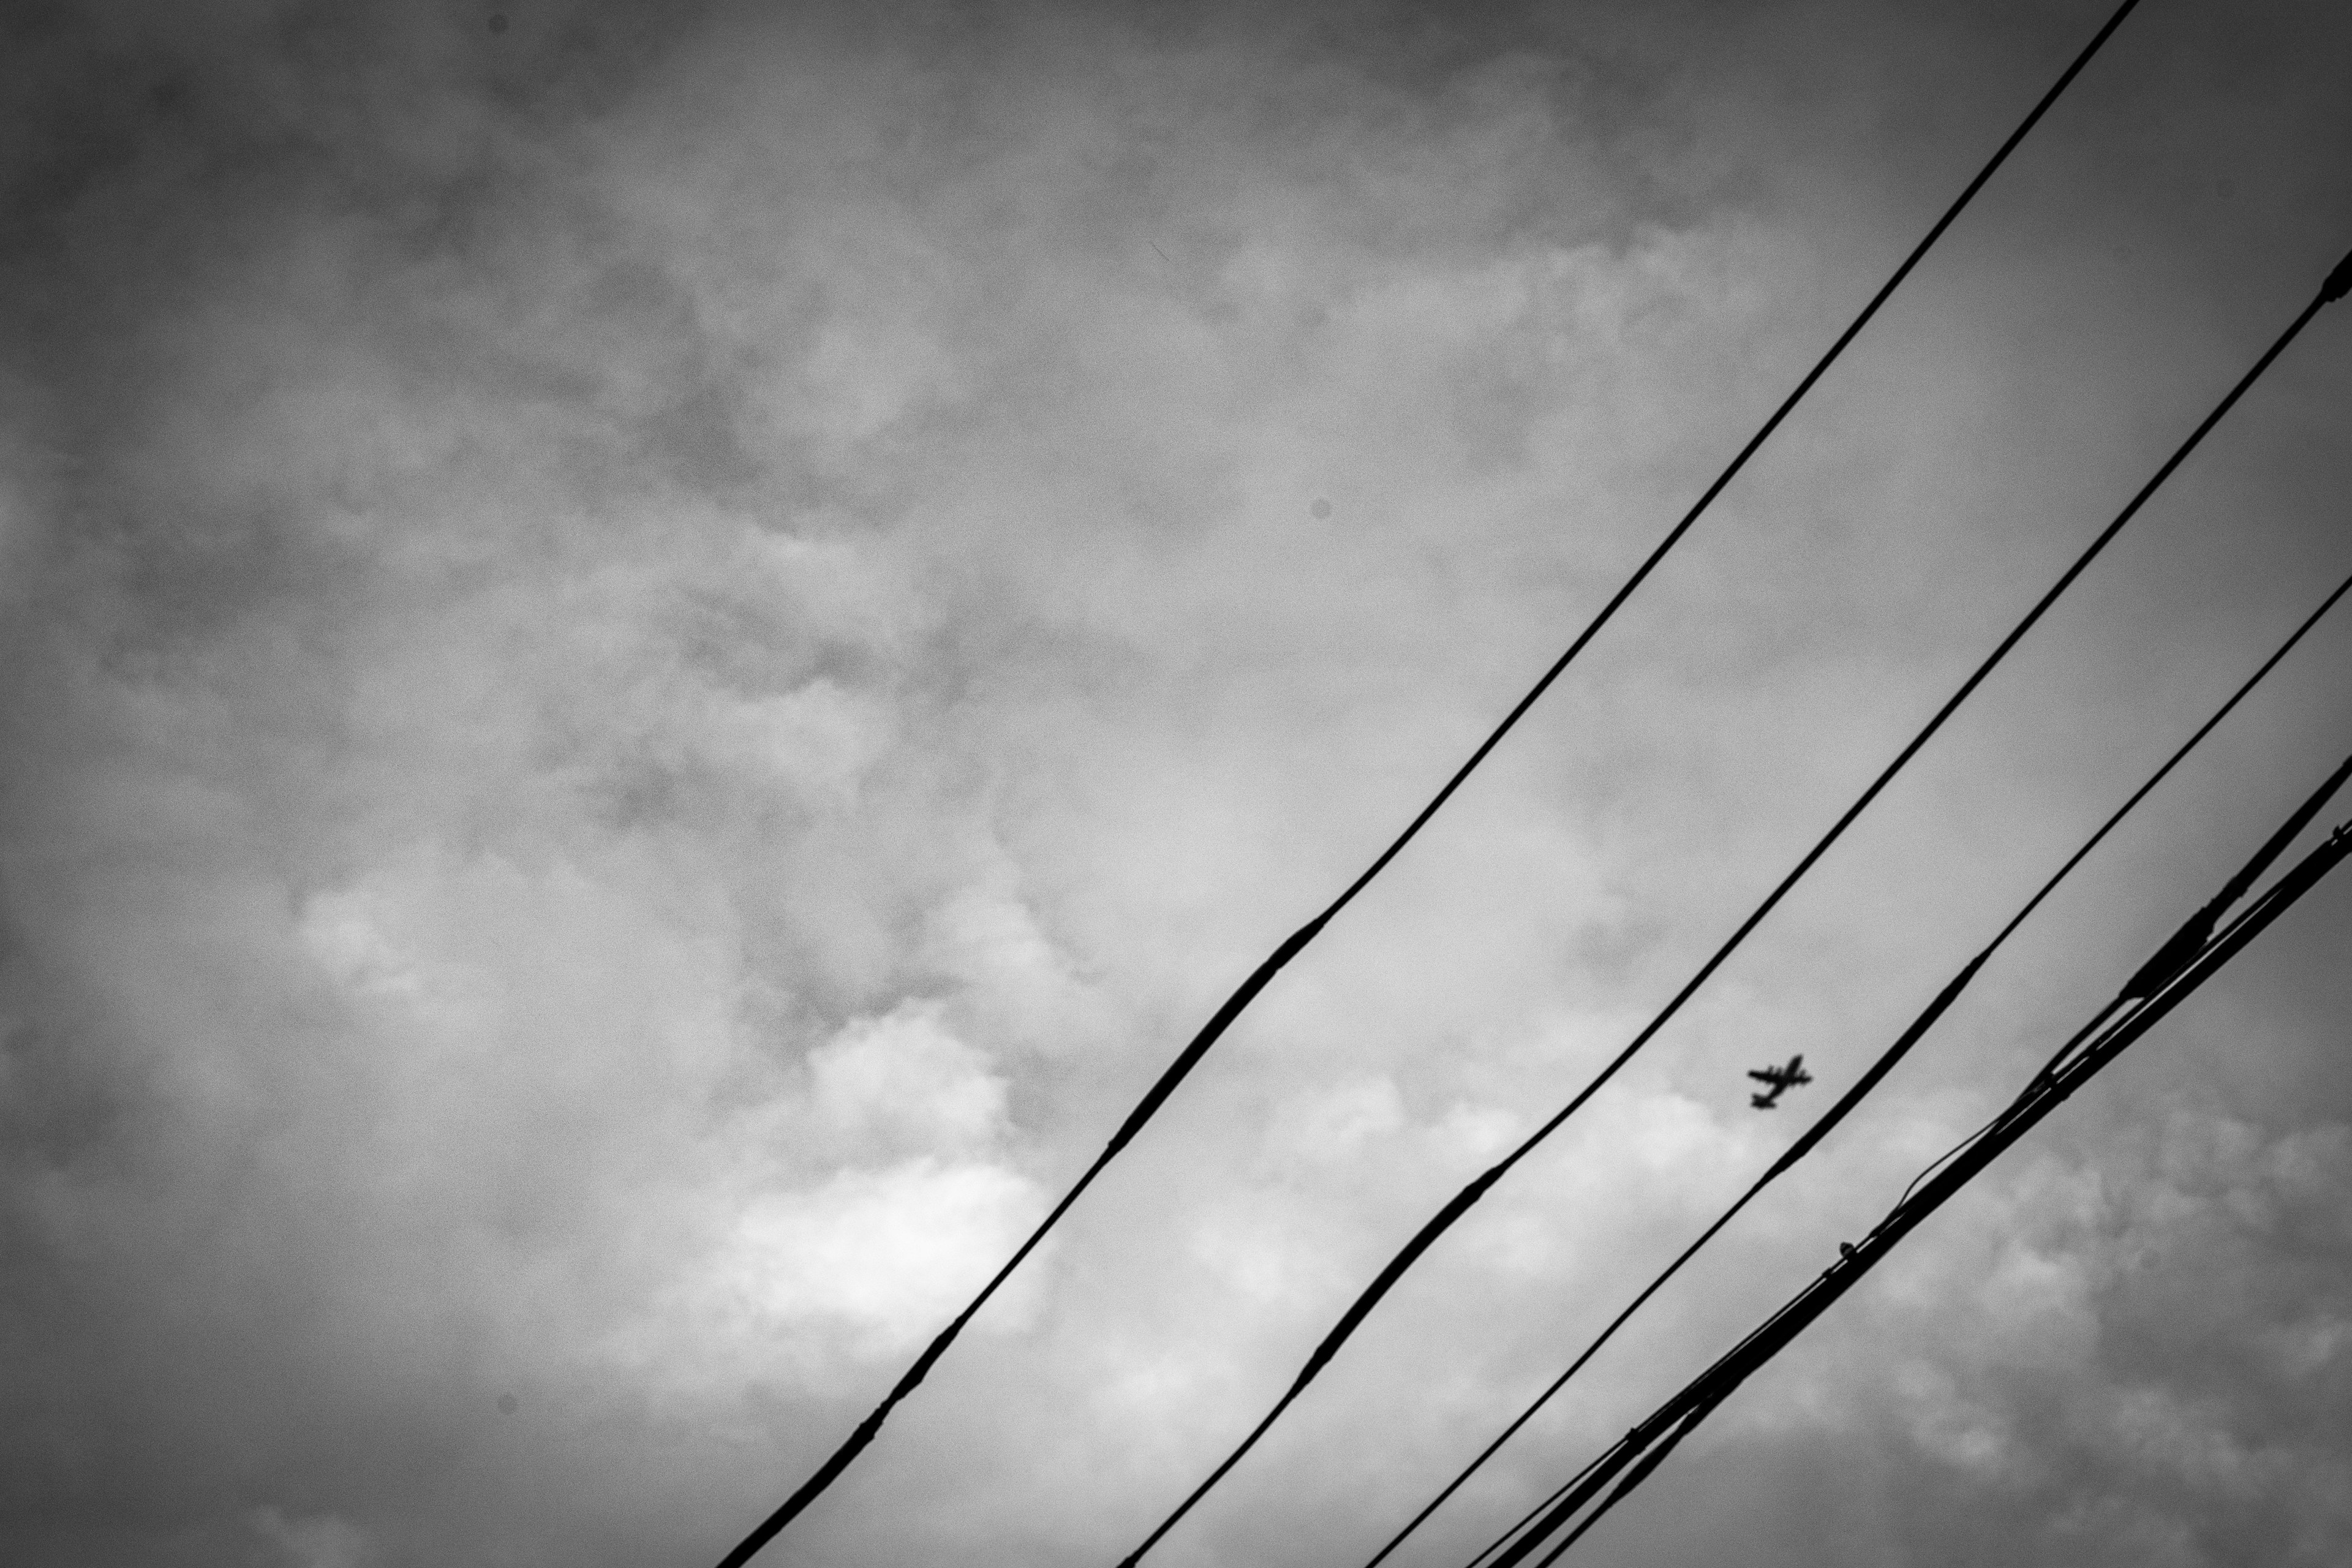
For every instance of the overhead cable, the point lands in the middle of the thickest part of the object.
(1633, 1457)
(1224, 1017)
(1463, 1201)
(1865, 1084)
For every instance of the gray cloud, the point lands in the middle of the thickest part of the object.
(652, 659)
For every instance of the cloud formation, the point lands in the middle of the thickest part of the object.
(654, 657)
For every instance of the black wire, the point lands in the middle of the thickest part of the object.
(1878, 1069)
(2041, 1095)
(1192, 1053)
(1656, 1456)
(1529, 1517)
(2175, 759)
(1465, 1200)
(1673, 1421)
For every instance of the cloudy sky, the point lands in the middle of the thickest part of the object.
(652, 656)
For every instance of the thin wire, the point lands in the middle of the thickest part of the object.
(1558, 1384)
(1530, 1516)
(1864, 1087)
(1648, 1461)
(1464, 1201)
(2040, 1097)
(1679, 1415)
(1191, 1055)
(2175, 759)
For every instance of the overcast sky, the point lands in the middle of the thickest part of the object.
(656, 656)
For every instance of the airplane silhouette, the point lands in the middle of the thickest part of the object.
(1781, 1079)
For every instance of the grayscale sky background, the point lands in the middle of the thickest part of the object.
(656, 656)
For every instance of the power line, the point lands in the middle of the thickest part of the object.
(2176, 971)
(1862, 1088)
(1469, 1195)
(1223, 1018)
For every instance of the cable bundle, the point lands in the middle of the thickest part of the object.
(1862, 1087)
(1198, 1048)
(1464, 1201)
(2193, 955)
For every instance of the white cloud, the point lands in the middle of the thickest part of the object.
(903, 1078)
(317, 1541)
(867, 1266)
(654, 662)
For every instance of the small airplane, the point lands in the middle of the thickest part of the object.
(1781, 1079)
